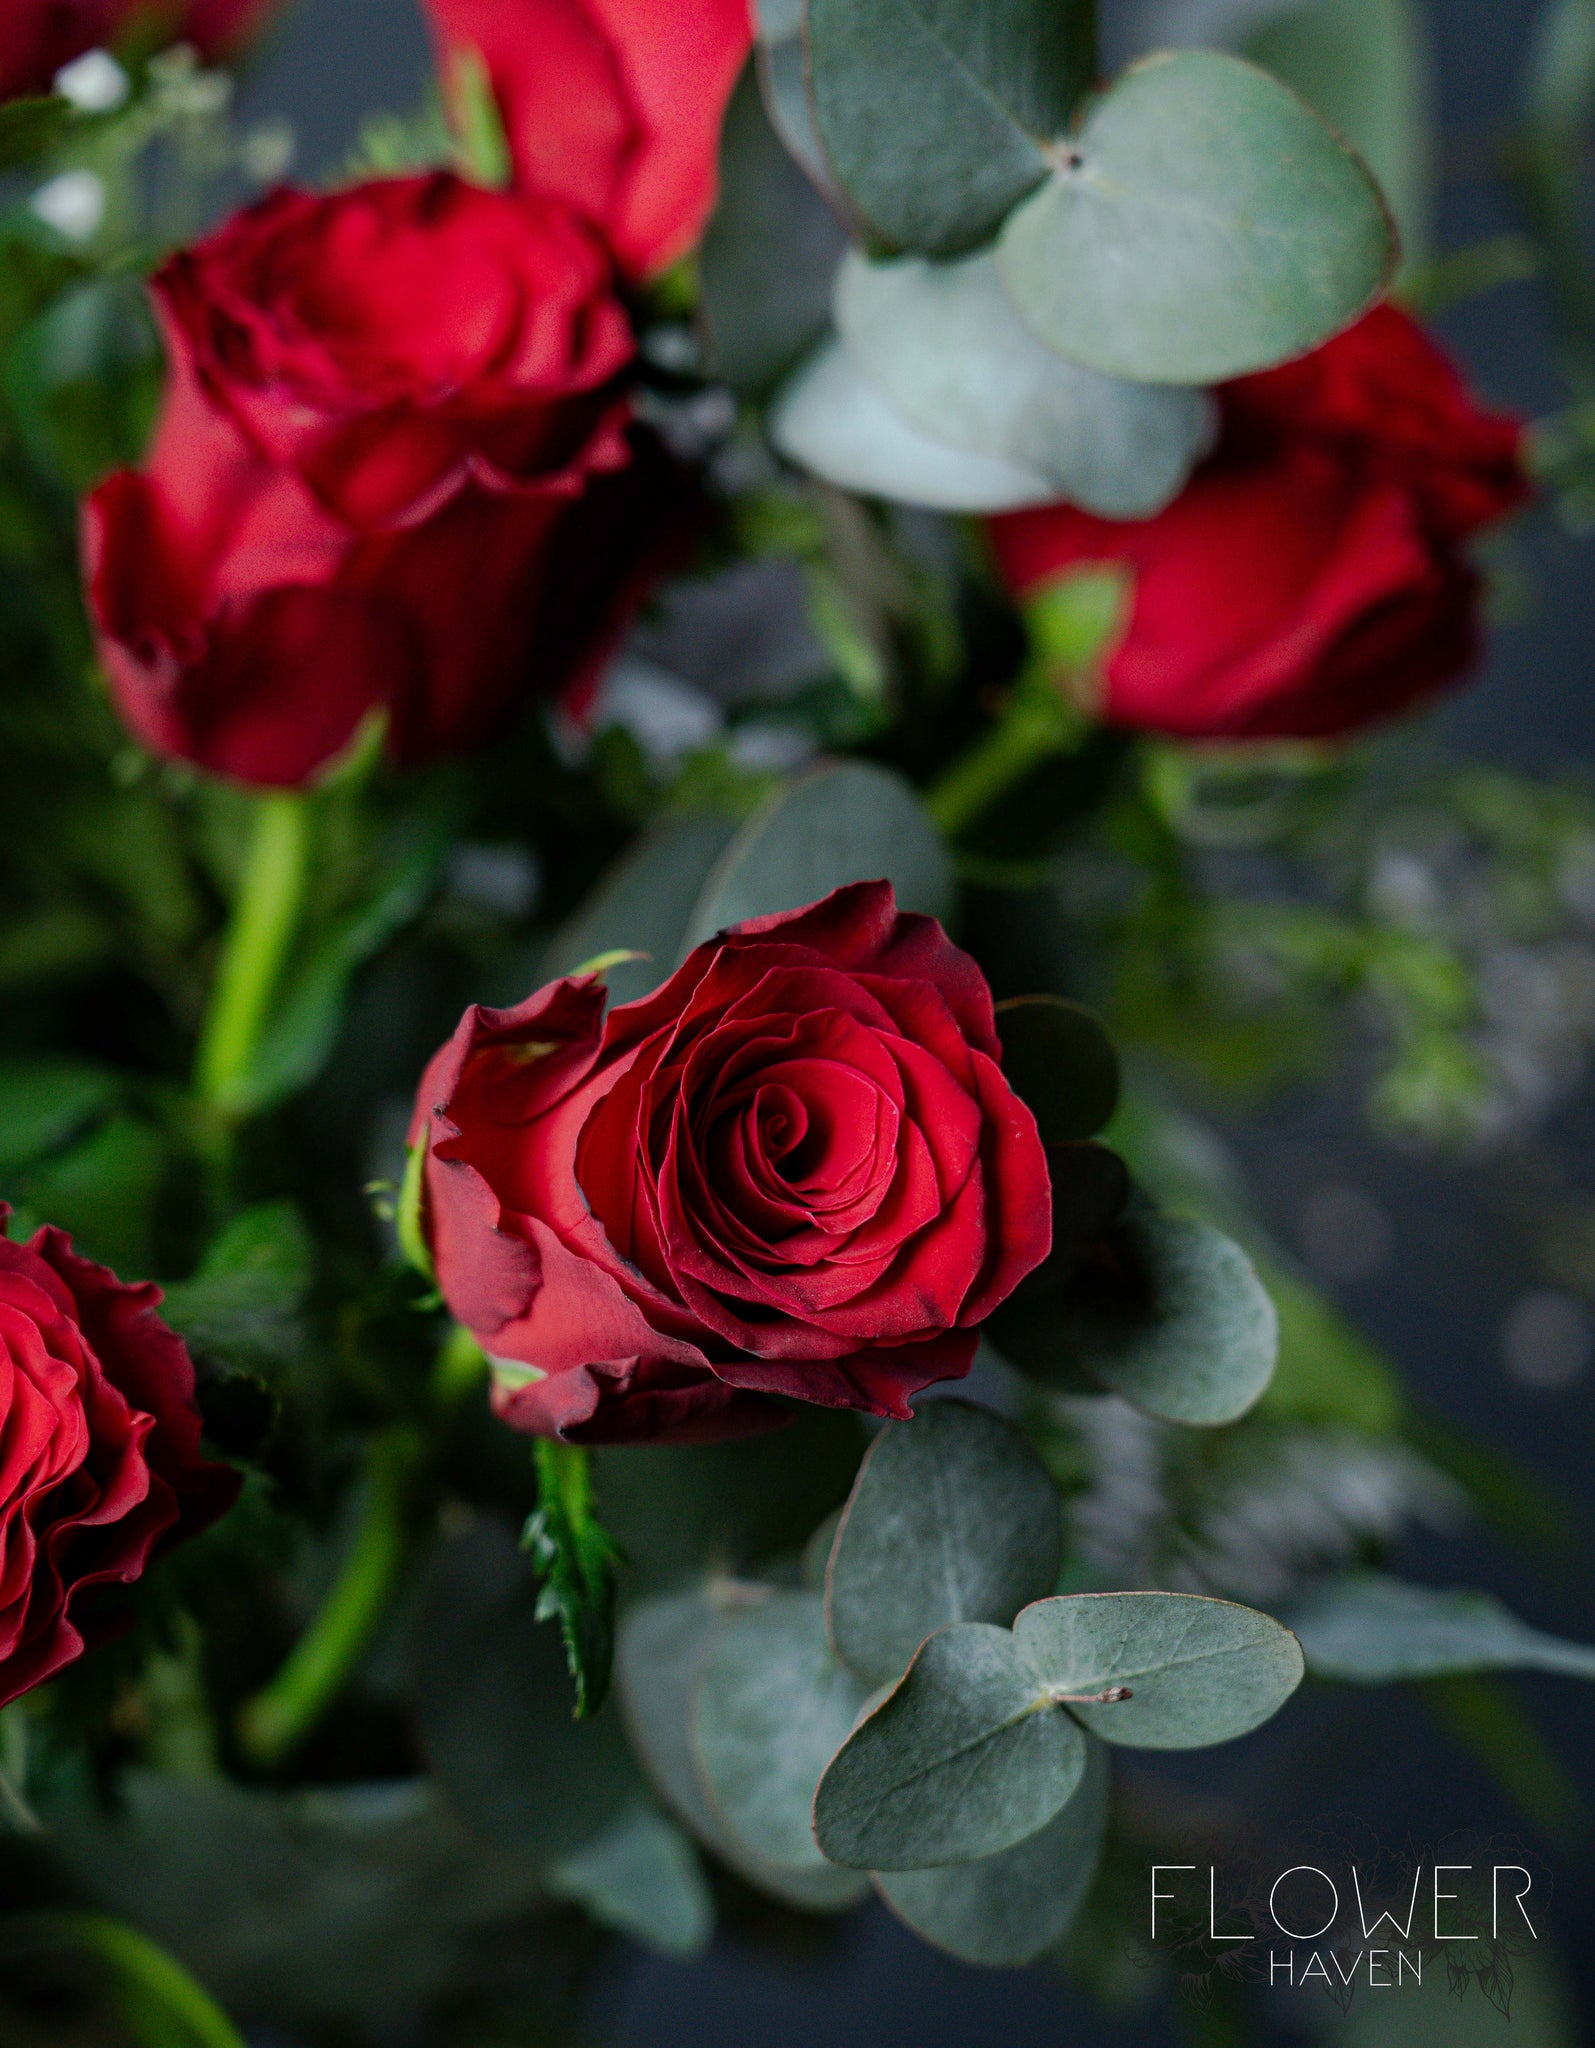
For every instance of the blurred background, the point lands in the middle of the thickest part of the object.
(1474, 1267)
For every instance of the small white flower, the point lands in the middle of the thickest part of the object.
(95, 83)
(73, 204)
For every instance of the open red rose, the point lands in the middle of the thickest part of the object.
(355, 492)
(1310, 578)
(613, 106)
(794, 1169)
(100, 1464)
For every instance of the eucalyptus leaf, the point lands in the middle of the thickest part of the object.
(781, 60)
(641, 1876)
(944, 345)
(1008, 1910)
(963, 1759)
(1373, 1630)
(1061, 1063)
(832, 421)
(662, 1646)
(953, 1518)
(642, 905)
(1198, 1671)
(845, 821)
(935, 114)
(1204, 223)
(773, 1706)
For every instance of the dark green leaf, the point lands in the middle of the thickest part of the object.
(663, 1644)
(953, 1518)
(642, 1877)
(1204, 224)
(943, 344)
(1373, 1630)
(577, 1561)
(32, 126)
(104, 1191)
(1008, 1910)
(965, 1758)
(846, 821)
(45, 1103)
(1061, 1063)
(243, 1304)
(1197, 1672)
(773, 1707)
(935, 114)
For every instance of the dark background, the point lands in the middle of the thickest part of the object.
(1456, 1265)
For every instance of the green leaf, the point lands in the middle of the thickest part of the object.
(1061, 1063)
(491, 1694)
(1198, 1672)
(1205, 223)
(243, 1304)
(1372, 1630)
(1008, 1910)
(104, 1192)
(845, 821)
(577, 1560)
(662, 1648)
(773, 1707)
(829, 420)
(944, 346)
(953, 1518)
(45, 1103)
(1367, 67)
(644, 905)
(32, 126)
(935, 114)
(966, 1757)
(641, 1876)
(769, 255)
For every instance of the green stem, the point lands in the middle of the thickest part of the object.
(1038, 723)
(148, 1978)
(277, 1719)
(265, 916)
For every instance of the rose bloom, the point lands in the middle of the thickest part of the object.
(38, 36)
(100, 1465)
(613, 106)
(380, 404)
(793, 1170)
(1311, 576)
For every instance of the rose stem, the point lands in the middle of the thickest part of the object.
(265, 915)
(278, 1718)
(146, 1971)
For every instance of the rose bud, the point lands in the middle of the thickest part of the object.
(100, 1465)
(1310, 579)
(613, 106)
(793, 1170)
(380, 403)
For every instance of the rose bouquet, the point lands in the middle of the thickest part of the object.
(778, 569)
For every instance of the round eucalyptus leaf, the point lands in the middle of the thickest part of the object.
(1197, 1671)
(492, 1702)
(1373, 1630)
(660, 1653)
(1061, 1063)
(945, 347)
(963, 1759)
(1179, 1323)
(1009, 1910)
(830, 420)
(772, 1707)
(845, 821)
(953, 1518)
(1203, 223)
(642, 1877)
(935, 114)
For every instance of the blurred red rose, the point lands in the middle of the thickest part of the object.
(38, 36)
(100, 1464)
(1310, 578)
(795, 1169)
(613, 106)
(379, 405)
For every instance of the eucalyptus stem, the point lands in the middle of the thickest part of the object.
(277, 1719)
(265, 915)
(1037, 724)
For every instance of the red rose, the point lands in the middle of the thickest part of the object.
(1310, 578)
(613, 106)
(379, 405)
(795, 1169)
(100, 1464)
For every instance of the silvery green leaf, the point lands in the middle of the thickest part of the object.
(1373, 1630)
(642, 1877)
(944, 345)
